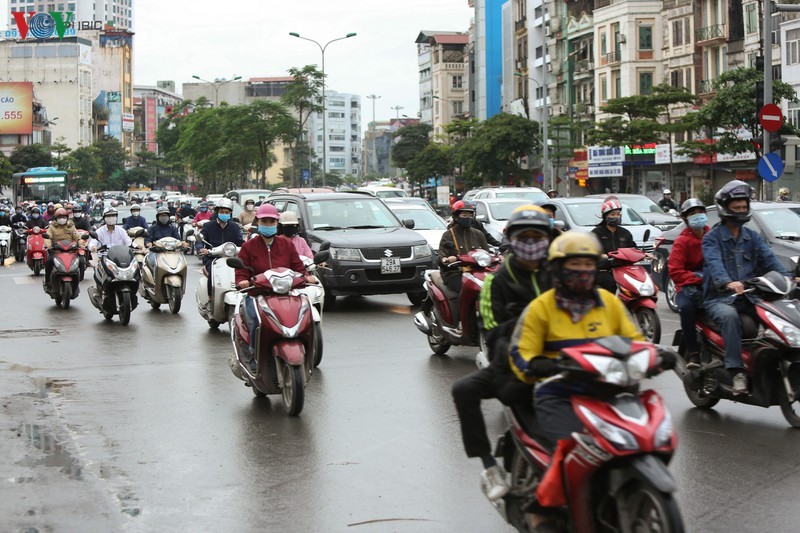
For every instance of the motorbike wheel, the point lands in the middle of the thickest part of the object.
(671, 294)
(66, 294)
(438, 344)
(416, 298)
(642, 508)
(648, 322)
(293, 391)
(524, 479)
(790, 410)
(125, 308)
(317, 345)
(213, 324)
(698, 399)
(174, 299)
(37, 267)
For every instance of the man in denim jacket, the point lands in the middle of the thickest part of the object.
(733, 254)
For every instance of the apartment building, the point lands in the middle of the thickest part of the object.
(343, 130)
(112, 13)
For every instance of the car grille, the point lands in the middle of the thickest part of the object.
(647, 248)
(374, 274)
(375, 254)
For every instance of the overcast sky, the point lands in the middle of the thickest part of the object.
(176, 39)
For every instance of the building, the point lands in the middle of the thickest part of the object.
(443, 90)
(112, 79)
(343, 125)
(114, 13)
(150, 106)
(486, 52)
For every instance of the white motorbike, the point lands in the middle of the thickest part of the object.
(137, 236)
(187, 233)
(5, 243)
(316, 295)
(165, 282)
(224, 296)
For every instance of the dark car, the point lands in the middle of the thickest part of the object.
(371, 250)
(777, 222)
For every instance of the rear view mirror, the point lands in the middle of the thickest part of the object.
(234, 262)
(321, 256)
(45, 235)
(409, 223)
(93, 235)
(190, 233)
(85, 237)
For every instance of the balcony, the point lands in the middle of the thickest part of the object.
(520, 24)
(710, 33)
(583, 65)
(610, 58)
(705, 86)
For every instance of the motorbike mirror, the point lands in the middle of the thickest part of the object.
(235, 220)
(646, 235)
(321, 256)
(93, 235)
(325, 245)
(85, 237)
(409, 223)
(190, 233)
(45, 235)
(234, 262)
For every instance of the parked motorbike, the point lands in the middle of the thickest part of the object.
(224, 296)
(614, 472)
(187, 233)
(164, 278)
(137, 235)
(19, 239)
(770, 353)
(116, 278)
(36, 252)
(64, 283)
(637, 290)
(284, 337)
(5, 243)
(439, 311)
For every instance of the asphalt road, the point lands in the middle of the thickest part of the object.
(144, 428)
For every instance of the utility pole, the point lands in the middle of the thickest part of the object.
(767, 42)
(373, 156)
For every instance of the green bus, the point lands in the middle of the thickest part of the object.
(40, 185)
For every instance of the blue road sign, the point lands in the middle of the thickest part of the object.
(770, 167)
(304, 175)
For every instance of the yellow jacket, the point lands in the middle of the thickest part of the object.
(543, 329)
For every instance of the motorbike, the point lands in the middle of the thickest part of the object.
(636, 290)
(316, 295)
(64, 283)
(6, 234)
(615, 472)
(36, 252)
(438, 312)
(116, 278)
(770, 353)
(284, 337)
(19, 241)
(224, 296)
(137, 235)
(187, 233)
(164, 281)
(83, 252)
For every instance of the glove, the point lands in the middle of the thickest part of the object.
(542, 367)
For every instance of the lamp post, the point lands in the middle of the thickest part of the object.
(546, 142)
(324, 102)
(397, 109)
(216, 84)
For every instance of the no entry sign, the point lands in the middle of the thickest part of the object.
(771, 118)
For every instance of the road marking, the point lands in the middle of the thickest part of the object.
(27, 280)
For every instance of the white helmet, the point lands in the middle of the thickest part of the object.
(224, 203)
(110, 211)
(667, 191)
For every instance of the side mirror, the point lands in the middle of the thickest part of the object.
(321, 256)
(93, 235)
(235, 220)
(234, 262)
(559, 225)
(326, 245)
(482, 219)
(45, 235)
(646, 235)
(85, 237)
(409, 223)
(190, 232)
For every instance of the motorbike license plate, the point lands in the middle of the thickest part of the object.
(390, 265)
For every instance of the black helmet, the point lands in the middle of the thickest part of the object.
(691, 203)
(162, 211)
(734, 190)
(544, 204)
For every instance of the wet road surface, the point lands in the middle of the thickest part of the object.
(144, 428)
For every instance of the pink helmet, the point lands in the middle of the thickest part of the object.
(608, 206)
(267, 211)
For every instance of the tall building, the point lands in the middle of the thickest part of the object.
(343, 125)
(442, 86)
(116, 13)
(150, 106)
(487, 54)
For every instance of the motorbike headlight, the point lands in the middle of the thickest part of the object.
(59, 263)
(663, 436)
(170, 246)
(644, 288)
(346, 254)
(789, 331)
(124, 273)
(74, 266)
(611, 370)
(620, 438)
(638, 364)
(484, 259)
(281, 284)
(229, 249)
(422, 250)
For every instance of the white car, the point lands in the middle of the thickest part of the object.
(426, 222)
(532, 194)
(384, 192)
(493, 213)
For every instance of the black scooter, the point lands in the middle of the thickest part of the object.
(117, 279)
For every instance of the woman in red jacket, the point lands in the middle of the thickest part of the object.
(686, 270)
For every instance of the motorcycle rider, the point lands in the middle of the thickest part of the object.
(612, 236)
(686, 270)
(289, 227)
(136, 220)
(505, 294)
(204, 213)
(216, 232)
(61, 229)
(186, 210)
(171, 207)
(19, 216)
(5, 219)
(49, 213)
(110, 234)
(551, 209)
(562, 317)
(784, 195)
(160, 229)
(249, 214)
(263, 253)
(80, 220)
(667, 203)
(734, 253)
(36, 220)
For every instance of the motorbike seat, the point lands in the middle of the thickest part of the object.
(530, 424)
(436, 277)
(749, 326)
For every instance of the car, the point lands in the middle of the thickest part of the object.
(493, 213)
(532, 194)
(777, 222)
(583, 214)
(426, 222)
(148, 212)
(213, 197)
(645, 206)
(384, 192)
(242, 195)
(371, 250)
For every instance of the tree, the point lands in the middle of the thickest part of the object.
(267, 123)
(111, 155)
(6, 170)
(434, 161)
(665, 97)
(29, 156)
(83, 166)
(409, 141)
(303, 95)
(60, 149)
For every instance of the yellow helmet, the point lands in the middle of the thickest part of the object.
(574, 244)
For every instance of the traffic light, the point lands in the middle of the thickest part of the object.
(581, 183)
(777, 144)
(760, 63)
(759, 96)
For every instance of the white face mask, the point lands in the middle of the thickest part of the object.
(61, 221)
(111, 220)
(163, 220)
(249, 207)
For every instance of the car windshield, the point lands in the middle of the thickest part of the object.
(783, 222)
(423, 218)
(642, 204)
(502, 210)
(535, 196)
(588, 214)
(361, 212)
(397, 193)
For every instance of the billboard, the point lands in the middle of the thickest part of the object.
(16, 108)
(151, 122)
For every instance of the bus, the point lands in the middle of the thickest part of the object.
(40, 185)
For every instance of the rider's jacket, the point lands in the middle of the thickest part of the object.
(260, 257)
(456, 241)
(37, 222)
(135, 222)
(686, 259)
(60, 233)
(159, 231)
(216, 234)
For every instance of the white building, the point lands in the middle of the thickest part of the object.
(117, 13)
(343, 124)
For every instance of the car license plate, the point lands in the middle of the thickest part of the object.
(390, 265)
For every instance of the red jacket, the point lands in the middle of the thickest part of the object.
(281, 253)
(686, 258)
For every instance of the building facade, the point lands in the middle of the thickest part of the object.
(343, 125)
(151, 105)
(114, 13)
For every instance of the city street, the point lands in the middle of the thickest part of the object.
(144, 428)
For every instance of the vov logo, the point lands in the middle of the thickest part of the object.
(43, 25)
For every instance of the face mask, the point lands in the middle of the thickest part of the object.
(35, 215)
(464, 222)
(577, 281)
(163, 220)
(249, 207)
(19, 212)
(697, 221)
(78, 215)
(135, 213)
(223, 218)
(290, 231)
(268, 231)
(203, 209)
(111, 220)
(530, 249)
(61, 221)
(614, 221)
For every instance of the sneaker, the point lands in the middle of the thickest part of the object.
(739, 383)
(493, 482)
(209, 308)
(693, 362)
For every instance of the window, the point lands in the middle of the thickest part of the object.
(677, 32)
(645, 82)
(336, 103)
(336, 137)
(603, 44)
(615, 76)
(603, 89)
(336, 148)
(458, 82)
(645, 37)
(751, 18)
(335, 115)
(792, 46)
(458, 108)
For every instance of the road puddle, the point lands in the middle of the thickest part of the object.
(55, 455)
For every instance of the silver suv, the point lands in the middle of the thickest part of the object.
(533, 194)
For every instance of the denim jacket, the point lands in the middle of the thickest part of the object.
(728, 259)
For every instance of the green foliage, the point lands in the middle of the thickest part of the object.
(408, 142)
(83, 165)
(112, 157)
(29, 156)
(61, 150)
(6, 170)
(304, 96)
(434, 161)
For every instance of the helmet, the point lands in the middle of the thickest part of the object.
(77, 209)
(784, 191)
(249, 201)
(544, 204)
(136, 206)
(528, 217)
(163, 210)
(266, 211)
(287, 217)
(170, 201)
(60, 213)
(202, 204)
(225, 203)
(58, 206)
(690, 204)
(734, 190)
(35, 209)
(114, 203)
(574, 244)
(608, 206)
(667, 191)
(110, 211)
(461, 205)
(68, 206)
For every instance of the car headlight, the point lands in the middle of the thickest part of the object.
(611, 370)
(484, 259)
(281, 284)
(620, 438)
(663, 436)
(422, 250)
(789, 331)
(346, 254)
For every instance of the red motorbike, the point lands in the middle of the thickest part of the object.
(284, 333)
(636, 290)
(65, 276)
(615, 474)
(449, 318)
(83, 252)
(36, 253)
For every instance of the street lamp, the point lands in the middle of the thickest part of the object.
(546, 142)
(324, 102)
(397, 109)
(216, 84)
